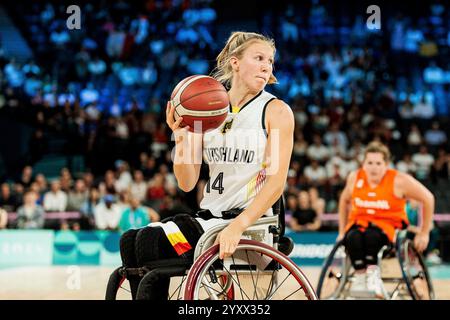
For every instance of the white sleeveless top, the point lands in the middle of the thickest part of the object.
(235, 154)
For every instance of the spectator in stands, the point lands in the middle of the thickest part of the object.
(13, 74)
(138, 187)
(300, 147)
(315, 174)
(156, 191)
(109, 183)
(356, 151)
(441, 166)
(414, 138)
(305, 218)
(318, 151)
(89, 95)
(435, 136)
(87, 210)
(292, 181)
(27, 176)
(55, 199)
(406, 109)
(423, 109)
(424, 161)
(3, 219)
(336, 171)
(7, 200)
(334, 135)
(59, 37)
(290, 207)
(88, 179)
(124, 178)
(169, 178)
(406, 165)
(96, 66)
(42, 183)
(77, 197)
(65, 180)
(107, 214)
(30, 215)
(137, 216)
(123, 200)
(317, 203)
(19, 192)
(35, 187)
(148, 166)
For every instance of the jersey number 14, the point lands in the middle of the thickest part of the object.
(216, 185)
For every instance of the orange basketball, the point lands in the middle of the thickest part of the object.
(202, 101)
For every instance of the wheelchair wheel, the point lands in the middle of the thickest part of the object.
(334, 273)
(116, 288)
(415, 272)
(255, 271)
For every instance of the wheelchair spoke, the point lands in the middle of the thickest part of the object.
(293, 293)
(210, 294)
(269, 288)
(255, 285)
(255, 293)
(123, 288)
(209, 287)
(239, 283)
(178, 289)
(271, 295)
(235, 281)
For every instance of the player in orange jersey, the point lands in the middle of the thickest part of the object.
(375, 196)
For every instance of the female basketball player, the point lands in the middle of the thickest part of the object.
(245, 66)
(248, 159)
(376, 196)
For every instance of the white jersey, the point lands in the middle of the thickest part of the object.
(235, 154)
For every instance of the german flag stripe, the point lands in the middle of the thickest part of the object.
(175, 236)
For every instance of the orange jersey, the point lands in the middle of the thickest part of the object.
(377, 205)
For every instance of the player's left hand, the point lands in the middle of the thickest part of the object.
(228, 239)
(421, 241)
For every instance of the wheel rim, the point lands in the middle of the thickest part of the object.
(254, 283)
(334, 274)
(416, 273)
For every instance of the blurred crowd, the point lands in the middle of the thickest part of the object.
(104, 87)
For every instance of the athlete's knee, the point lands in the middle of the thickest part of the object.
(148, 244)
(375, 238)
(127, 248)
(353, 237)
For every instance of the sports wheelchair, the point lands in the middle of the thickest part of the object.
(404, 273)
(258, 270)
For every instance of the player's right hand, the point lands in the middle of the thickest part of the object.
(173, 124)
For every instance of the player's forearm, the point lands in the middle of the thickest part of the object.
(187, 160)
(186, 175)
(428, 211)
(343, 214)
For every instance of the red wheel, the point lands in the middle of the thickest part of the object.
(255, 271)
